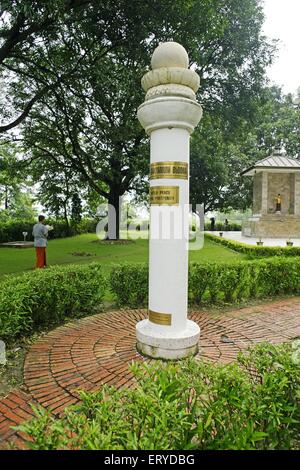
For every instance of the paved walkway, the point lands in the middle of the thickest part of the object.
(94, 350)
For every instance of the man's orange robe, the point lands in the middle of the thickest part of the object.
(40, 257)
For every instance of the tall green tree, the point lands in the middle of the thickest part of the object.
(76, 213)
(15, 200)
(27, 28)
(37, 39)
(92, 133)
(219, 152)
(55, 187)
(89, 121)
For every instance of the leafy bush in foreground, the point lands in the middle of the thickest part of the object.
(47, 296)
(186, 405)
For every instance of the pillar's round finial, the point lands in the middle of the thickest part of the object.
(169, 54)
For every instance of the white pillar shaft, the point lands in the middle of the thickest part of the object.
(264, 193)
(168, 250)
(169, 114)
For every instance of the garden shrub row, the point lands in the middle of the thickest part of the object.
(49, 296)
(129, 284)
(13, 230)
(255, 251)
(244, 280)
(214, 281)
(45, 297)
(186, 405)
(219, 226)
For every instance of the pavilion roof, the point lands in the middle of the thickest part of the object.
(275, 162)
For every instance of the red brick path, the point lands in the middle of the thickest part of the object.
(94, 350)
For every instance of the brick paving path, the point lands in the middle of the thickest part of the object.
(94, 350)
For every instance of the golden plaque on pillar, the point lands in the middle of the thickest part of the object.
(171, 170)
(164, 195)
(160, 318)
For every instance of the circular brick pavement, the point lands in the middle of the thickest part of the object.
(95, 350)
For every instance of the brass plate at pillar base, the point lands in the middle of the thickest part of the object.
(164, 195)
(160, 318)
(171, 170)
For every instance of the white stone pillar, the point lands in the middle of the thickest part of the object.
(169, 115)
(264, 193)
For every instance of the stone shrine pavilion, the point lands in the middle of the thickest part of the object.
(276, 198)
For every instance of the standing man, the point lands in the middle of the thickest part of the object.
(40, 233)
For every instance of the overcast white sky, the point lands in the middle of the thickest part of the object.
(283, 22)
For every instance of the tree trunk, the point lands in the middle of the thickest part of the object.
(113, 230)
(6, 198)
(66, 219)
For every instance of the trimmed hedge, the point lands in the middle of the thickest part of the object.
(13, 230)
(49, 296)
(44, 297)
(213, 281)
(129, 284)
(244, 280)
(255, 251)
(61, 230)
(220, 226)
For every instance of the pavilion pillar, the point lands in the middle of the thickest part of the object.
(297, 195)
(169, 115)
(264, 193)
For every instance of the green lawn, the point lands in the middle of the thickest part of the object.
(60, 251)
